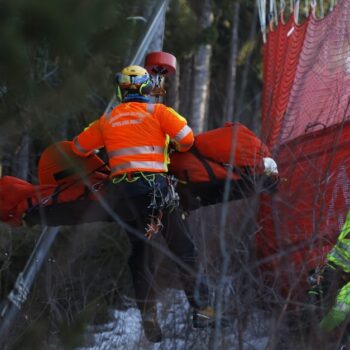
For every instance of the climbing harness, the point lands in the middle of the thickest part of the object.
(155, 225)
(159, 202)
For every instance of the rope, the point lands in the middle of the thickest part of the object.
(296, 11)
(313, 5)
(282, 6)
(271, 8)
(270, 15)
(273, 13)
(321, 9)
(159, 202)
(262, 17)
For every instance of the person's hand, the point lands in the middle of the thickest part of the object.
(172, 147)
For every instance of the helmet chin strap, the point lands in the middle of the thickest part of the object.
(130, 97)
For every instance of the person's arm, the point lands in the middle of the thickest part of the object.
(89, 140)
(339, 312)
(176, 127)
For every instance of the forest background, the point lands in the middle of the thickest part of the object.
(58, 60)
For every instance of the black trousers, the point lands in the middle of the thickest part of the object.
(128, 204)
(131, 202)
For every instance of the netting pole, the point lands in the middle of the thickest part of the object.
(144, 44)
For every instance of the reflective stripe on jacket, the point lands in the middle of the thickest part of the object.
(340, 253)
(136, 137)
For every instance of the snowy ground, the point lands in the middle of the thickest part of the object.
(125, 331)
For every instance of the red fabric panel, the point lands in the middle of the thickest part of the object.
(302, 221)
(308, 128)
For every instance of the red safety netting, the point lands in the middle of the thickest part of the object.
(320, 93)
(306, 122)
(281, 56)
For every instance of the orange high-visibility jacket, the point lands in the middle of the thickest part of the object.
(136, 137)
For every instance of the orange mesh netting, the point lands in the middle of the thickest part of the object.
(306, 122)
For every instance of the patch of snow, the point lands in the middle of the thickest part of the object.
(125, 331)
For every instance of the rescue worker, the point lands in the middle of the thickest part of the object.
(136, 135)
(331, 282)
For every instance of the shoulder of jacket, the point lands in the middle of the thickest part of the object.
(154, 107)
(176, 114)
(111, 112)
(92, 124)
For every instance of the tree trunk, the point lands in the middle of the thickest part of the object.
(201, 74)
(232, 69)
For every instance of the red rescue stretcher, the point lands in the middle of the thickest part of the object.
(68, 184)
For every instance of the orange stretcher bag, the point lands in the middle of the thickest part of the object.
(228, 151)
(67, 182)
